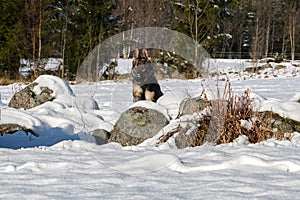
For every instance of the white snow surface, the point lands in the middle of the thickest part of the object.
(64, 163)
(171, 101)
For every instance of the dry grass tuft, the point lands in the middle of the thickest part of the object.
(232, 116)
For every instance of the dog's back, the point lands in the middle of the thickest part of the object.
(145, 85)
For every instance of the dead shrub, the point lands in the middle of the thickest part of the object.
(232, 116)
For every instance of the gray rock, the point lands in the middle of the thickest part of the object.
(195, 133)
(101, 136)
(136, 125)
(189, 137)
(278, 67)
(280, 125)
(192, 105)
(27, 98)
(256, 69)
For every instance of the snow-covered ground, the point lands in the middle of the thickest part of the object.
(60, 164)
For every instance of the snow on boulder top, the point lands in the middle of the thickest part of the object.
(153, 106)
(285, 109)
(172, 100)
(56, 84)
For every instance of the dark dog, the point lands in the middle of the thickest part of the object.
(145, 85)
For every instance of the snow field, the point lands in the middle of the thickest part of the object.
(61, 165)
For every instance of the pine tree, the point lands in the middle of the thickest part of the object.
(10, 48)
(201, 20)
(89, 25)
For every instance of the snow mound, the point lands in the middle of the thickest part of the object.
(58, 85)
(172, 100)
(160, 161)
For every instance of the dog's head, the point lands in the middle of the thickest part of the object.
(140, 58)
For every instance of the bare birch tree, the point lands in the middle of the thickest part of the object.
(292, 11)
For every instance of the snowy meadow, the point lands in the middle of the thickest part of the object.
(65, 163)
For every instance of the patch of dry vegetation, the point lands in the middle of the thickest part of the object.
(231, 116)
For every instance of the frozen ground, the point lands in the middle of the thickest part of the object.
(61, 165)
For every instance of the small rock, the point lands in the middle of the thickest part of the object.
(278, 67)
(188, 131)
(266, 66)
(190, 137)
(101, 136)
(252, 69)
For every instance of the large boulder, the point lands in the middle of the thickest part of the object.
(45, 88)
(28, 98)
(138, 124)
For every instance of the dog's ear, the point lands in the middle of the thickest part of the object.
(145, 54)
(136, 54)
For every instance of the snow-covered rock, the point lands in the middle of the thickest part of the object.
(28, 98)
(63, 117)
(285, 109)
(172, 101)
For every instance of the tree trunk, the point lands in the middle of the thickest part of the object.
(40, 34)
(256, 39)
(268, 36)
(63, 51)
(292, 28)
(283, 41)
(33, 51)
(64, 41)
(292, 9)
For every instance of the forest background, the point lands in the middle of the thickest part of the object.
(36, 30)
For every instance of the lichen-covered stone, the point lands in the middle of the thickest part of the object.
(192, 105)
(136, 125)
(280, 124)
(27, 98)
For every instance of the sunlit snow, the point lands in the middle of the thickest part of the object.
(61, 164)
